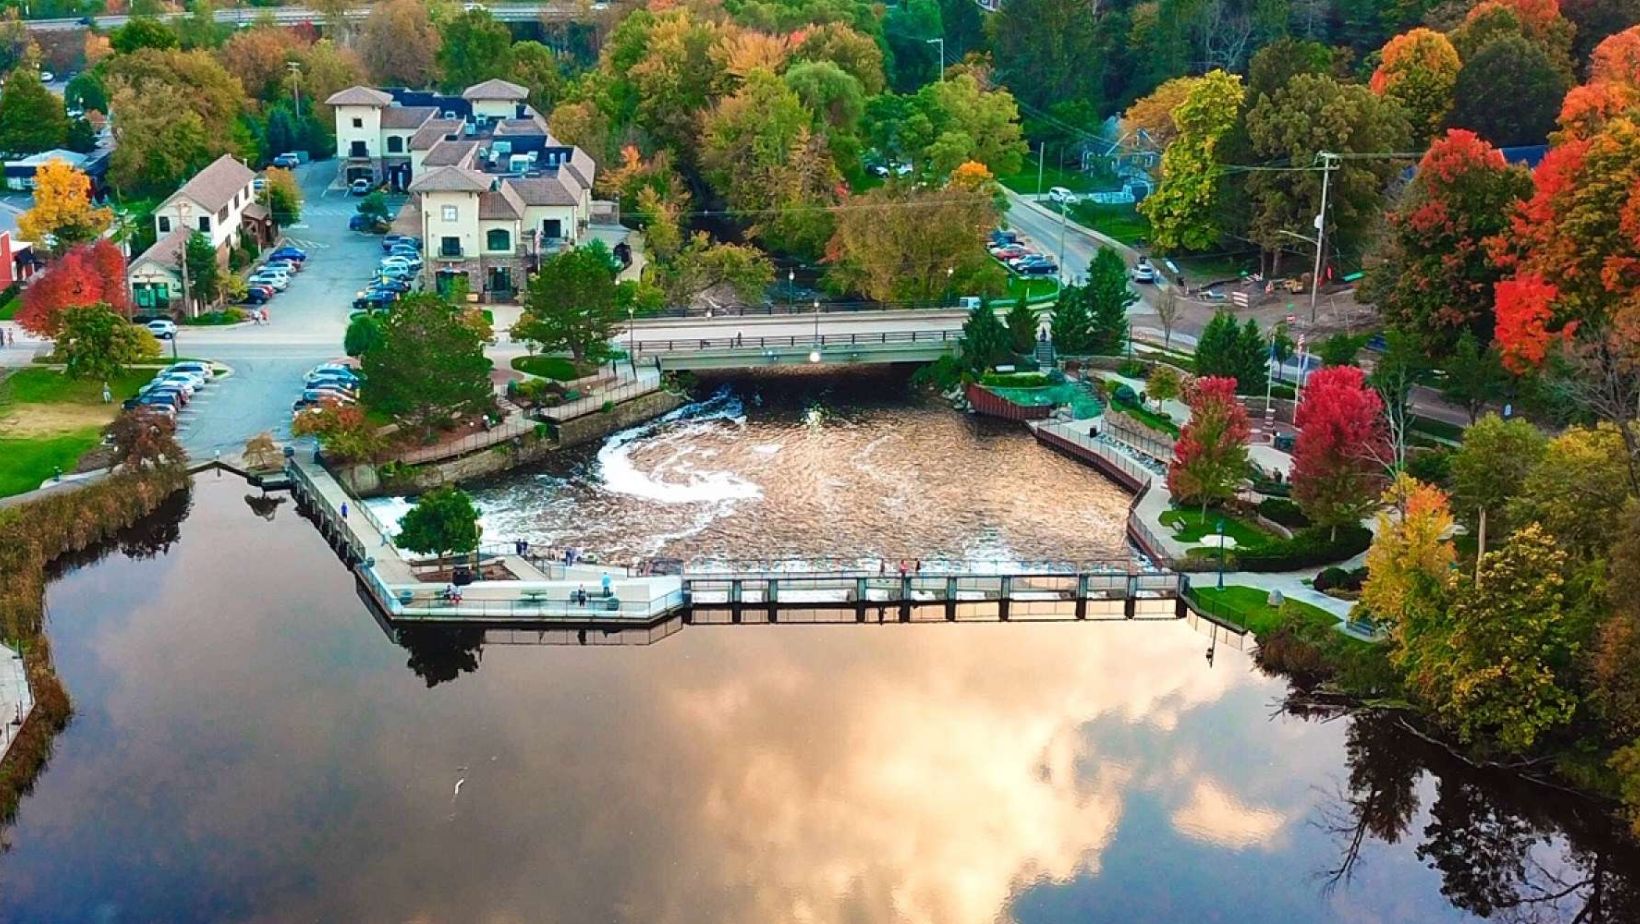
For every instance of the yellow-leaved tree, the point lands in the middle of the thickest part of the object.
(1409, 567)
(63, 213)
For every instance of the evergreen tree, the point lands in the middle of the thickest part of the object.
(985, 341)
(1238, 352)
(1073, 322)
(1109, 296)
(31, 117)
(1022, 326)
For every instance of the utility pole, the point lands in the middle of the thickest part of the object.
(1328, 162)
(1062, 273)
(295, 69)
(1041, 159)
(940, 42)
(188, 235)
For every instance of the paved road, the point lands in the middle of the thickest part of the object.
(308, 321)
(291, 15)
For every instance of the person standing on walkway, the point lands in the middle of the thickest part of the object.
(605, 583)
(106, 394)
(344, 510)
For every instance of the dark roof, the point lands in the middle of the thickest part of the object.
(167, 251)
(500, 203)
(258, 211)
(453, 104)
(406, 116)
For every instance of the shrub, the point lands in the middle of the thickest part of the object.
(1283, 511)
(1124, 394)
(1132, 369)
(1432, 466)
(1310, 548)
(1287, 392)
(607, 406)
(1330, 578)
(1015, 380)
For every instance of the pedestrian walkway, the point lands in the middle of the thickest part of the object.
(16, 701)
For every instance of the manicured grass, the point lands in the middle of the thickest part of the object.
(49, 386)
(1122, 222)
(216, 318)
(25, 463)
(1250, 607)
(1196, 527)
(1034, 288)
(1025, 183)
(9, 306)
(561, 368)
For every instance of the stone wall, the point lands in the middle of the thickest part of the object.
(370, 481)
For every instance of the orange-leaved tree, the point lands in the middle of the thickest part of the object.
(89, 274)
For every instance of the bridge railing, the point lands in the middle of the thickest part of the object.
(794, 341)
(889, 566)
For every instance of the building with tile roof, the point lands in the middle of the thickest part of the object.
(491, 189)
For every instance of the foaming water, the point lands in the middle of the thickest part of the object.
(849, 466)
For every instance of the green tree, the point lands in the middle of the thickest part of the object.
(1163, 384)
(1072, 323)
(1022, 326)
(283, 196)
(1052, 51)
(1210, 457)
(177, 112)
(914, 244)
(1109, 297)
(536, 68)
(1496, 669)
(96, 343)
(430, 366)
(443, 522)
(364, 333)
(475, 48)
(1340, 349)
(1314, 113)
(833, 95)
(1490, 469)
(204, 273)
(31, 117)
(1577, 490)
(143, 32)
(1474, 376)
(374, 206)
(966, 122)
(985, 341)
(572, 304)
(1418, 69)
(1233, 351)
(1184, 212)
(86, 92)
(1509, 92)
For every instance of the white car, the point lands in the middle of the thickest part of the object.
(399, 259)
(187, 388)
(180, 378)
(47, 77)
(203, 370)
(279, 281)
(334, 369)
(162, 328)
(1144, 272)
(1062, 195)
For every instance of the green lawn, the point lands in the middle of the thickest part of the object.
(1249, 607)
(48, 386)
(28, 462)
(9, 306)
(561, 368)
(1122, 222)
(1146, 415)
(1034, 288)
(1025, 183)
(1193, 527)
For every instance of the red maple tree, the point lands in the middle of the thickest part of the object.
(87, 275)
(1338, 469)
(1210, 456)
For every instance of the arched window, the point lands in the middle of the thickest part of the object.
(395, 144)
(497, 240)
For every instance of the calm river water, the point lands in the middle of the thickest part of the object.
(249, 745)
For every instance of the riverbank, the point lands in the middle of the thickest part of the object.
(33, 535)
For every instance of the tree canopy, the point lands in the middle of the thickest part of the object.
(430, 365)
(573, 304)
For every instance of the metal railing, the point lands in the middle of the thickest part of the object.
(697, 344)
(595, 400)
(889, 566)
(426, 602)
(510, 429)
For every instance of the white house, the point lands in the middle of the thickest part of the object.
(216, 203)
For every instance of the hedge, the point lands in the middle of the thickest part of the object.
(1310, 548)
(1016, 379)
(1283, 511)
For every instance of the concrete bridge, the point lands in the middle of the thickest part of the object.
(739, 351)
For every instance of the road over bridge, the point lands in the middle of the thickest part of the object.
(292, 15)
(814, 338)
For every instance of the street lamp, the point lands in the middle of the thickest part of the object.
(631, 339)
(791, 287)
(940, 42)
(1220, 531)
(817, 322)
(183, 213)
(295, 68)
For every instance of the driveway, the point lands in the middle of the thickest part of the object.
(306, 325)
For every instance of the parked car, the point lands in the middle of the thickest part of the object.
(192, 380)
(287, 252)
(288, 160)
(375, 301)
(1144, 272)
(279, 281)
(156, 387)
(47, 77)
(411, 260)
(397, 272)
(260, 184)
(171, 396)
(400, 286)
(204, 370)
(256, 296)
(341, 381)
(162, 404)
(315, 395)
(1040, 269)
(1062, 195)
(367, 224)
(1010, 252)
(395, 240)
(162, 328)
(336, 370)
(360, 187)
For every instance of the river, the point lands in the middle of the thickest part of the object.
(815, 466)
(249, 745)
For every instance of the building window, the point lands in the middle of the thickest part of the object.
(358, 123)
(165, 224)
(222, 216)
(449, 247)
(357, 149)
(449, 213)
(497, 239)
(395, 145)
(205, 224)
